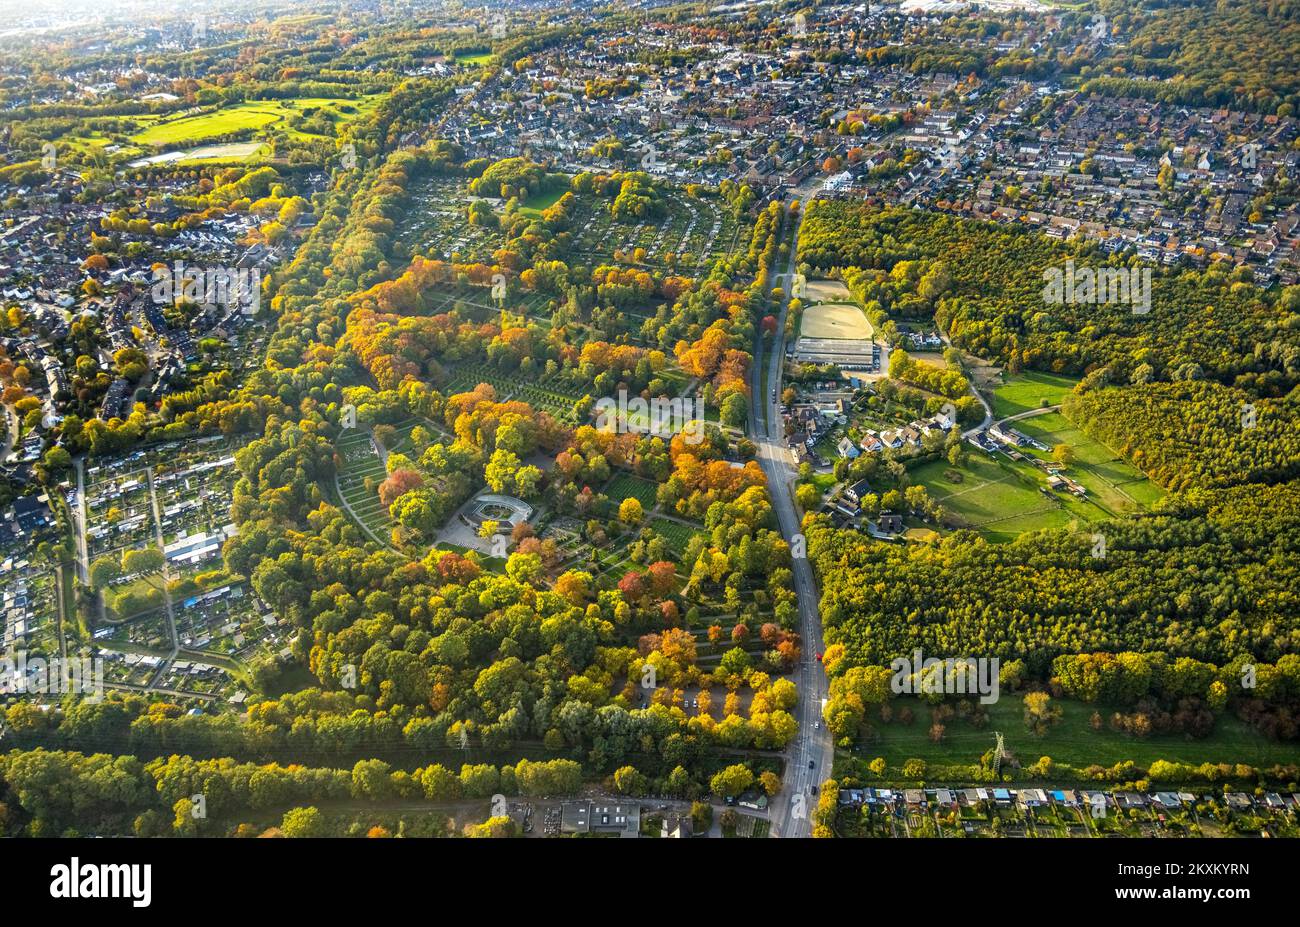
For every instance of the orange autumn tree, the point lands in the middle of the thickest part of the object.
(398, 483)
(713, 356)
(396, 348)
(479, 420)
(425, 277)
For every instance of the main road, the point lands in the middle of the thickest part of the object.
(792, 807)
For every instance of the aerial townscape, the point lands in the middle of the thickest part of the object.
(650, 419)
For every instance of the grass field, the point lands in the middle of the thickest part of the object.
(1030, 391)
(1072, 741)
(1112, 482)
(117, 595)
(994, 498)
(190, 128)
(1003, 499)
(254, 115)
(535, 205)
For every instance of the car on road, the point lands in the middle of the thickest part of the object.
(812, 763)
(819, 656)
(817, 726)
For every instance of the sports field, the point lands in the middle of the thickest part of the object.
(825, 291)
(835, 320)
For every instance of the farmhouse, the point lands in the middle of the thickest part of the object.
(890, 523)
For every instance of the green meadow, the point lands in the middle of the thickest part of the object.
(1072, 741)
(1027, 391)
(256, 116)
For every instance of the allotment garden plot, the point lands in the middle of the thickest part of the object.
(169, 589)
(194, 494)
(171, 499)
(119, 509)
(28, 599)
